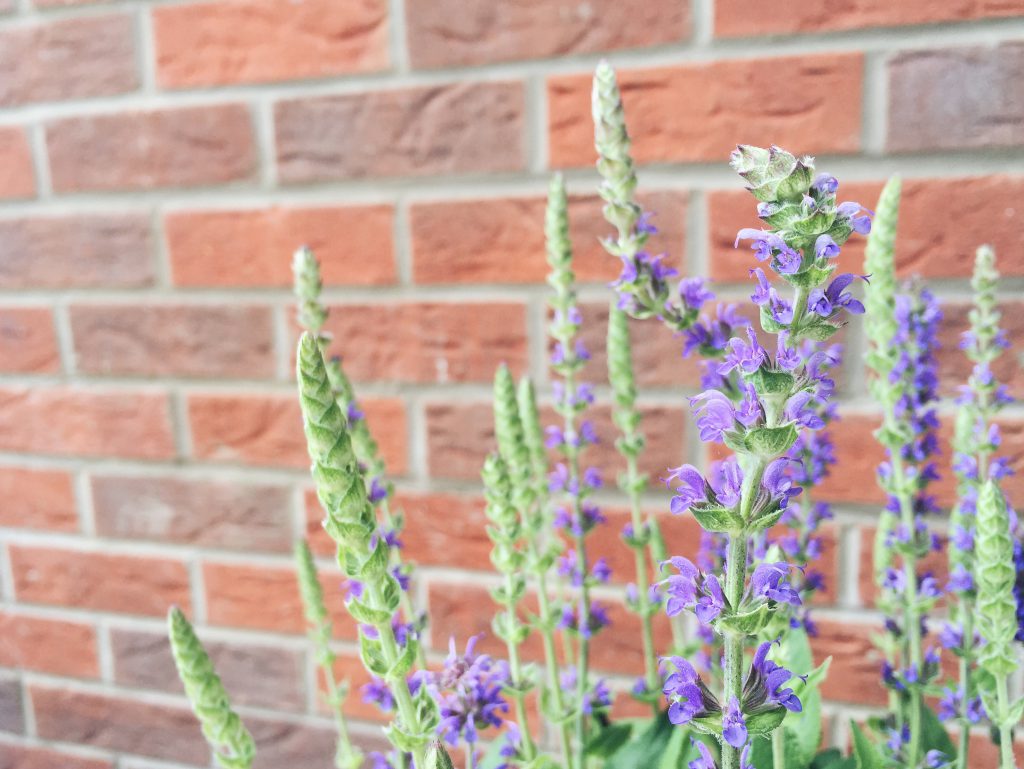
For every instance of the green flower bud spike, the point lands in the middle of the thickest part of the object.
(233, 746)
(351, 523)
(312, 315)
(997, 617)
(631, 444)
(318, 623)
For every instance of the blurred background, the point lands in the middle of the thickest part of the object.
(160, 161)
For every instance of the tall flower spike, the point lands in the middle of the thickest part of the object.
(318, 624)
(639, 531)
(363, 553)
(233, 746)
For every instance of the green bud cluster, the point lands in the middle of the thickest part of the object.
(997, 608)
(233, 746)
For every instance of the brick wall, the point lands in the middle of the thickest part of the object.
(160, 160)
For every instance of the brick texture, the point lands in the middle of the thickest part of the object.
(461, 129)
(161, 161)
(142, 150)
(247, 41)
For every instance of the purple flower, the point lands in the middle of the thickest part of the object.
(765, 684)
(802, 408)
(825, 184)
(769, 581)
(748, 357)
(354, 413)
(825, 247)
(468, 692)
(377, 491)
(704, 759)
(852, 213)
(734, 726)
(376, 692)
(960, 580)
(687, 696)
(692, 488)
(715, 415)
(694, 292)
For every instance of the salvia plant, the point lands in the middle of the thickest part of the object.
(735, 687)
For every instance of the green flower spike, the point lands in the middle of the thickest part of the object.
(233, 746)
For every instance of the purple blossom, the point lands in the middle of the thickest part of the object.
(734, 726)
(694, 292)
(378, 491)
(704, 759)
(468, 692)
(766, 683)
(748, 357)
(686, 694)
(858, 217)
(769, 581)
(691, 489)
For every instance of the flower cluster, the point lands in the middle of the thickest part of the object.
(468, 692)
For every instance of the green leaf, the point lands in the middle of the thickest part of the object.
(680, 749)
(750, 623)
(770, 442)
(367, 615)
(766, 722)
(721, 519)
(934, 735)
(647, 748)
(609, 739)
(866, 754)
(832, 758)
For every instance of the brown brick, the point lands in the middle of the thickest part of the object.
(182, 147)
(48, 645)
(251, 41)
(30, 757)
(958, 98)
(99, 581)
(28, 341)
(267, 598)
(459, 437)
(36, 60)
(453, 33)
(174, 340)
(502, 240)
(228, 515)
(69, 422)
(815, 109)
(17, 176)
(37, 499)
(429, 341)
(118, 723)
(954, 366)
(267, 430)
(254, 674)
(77, 251)
(740, 18)
(451, 129)
(855, 674)
(286, 743)
(251, 248)
(445, 530)
(12, 718)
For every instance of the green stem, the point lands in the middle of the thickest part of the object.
(1006, 760)
(551, 664)
(966, 685)
(779, 749)
(397, 684)
(651, 678)
(344, 757)
(516, 673)
(404, 600)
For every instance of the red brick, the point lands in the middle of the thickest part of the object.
(456, 33)
(502, 240)
(445, 530)
(37, 499)
(12, 716)
(954, 366)
(99, 581)
(429, 341)
(450, 129)
(459, 437)
(174, 340)
(48, 645)
(731, 210)
(267, 430)
(267, 598)
(740, 18)
(958, 98)
(30, 757)
(17, 176)
(228, 515)
(70, 422)
(935, 563)
(855, 674)
(28, 341)
(254, 674)
(815, 109)
(251, 248)
(118, 723)
(348, 667)
(251, 41)
(183, 147)
(76, 251)
(100, 50)
(858, 454)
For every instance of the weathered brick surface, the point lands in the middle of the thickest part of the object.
(267, 430)
(815, 107)
(17, 177)
(26, 757)
(255, 674)
(856, 663)
(248, 41)
(74, 422)
(734, 18)
(184, 147)
(37, 499)
(36, 60)
(956, 98)
(451, 32)
(48, 645)
(954, 366)
(502, 240)
(12, 716)
(245, 248)
(174, 340)
(459, 129)
(220, 514)
(76, 251)
(28, 341)
(99, 581)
